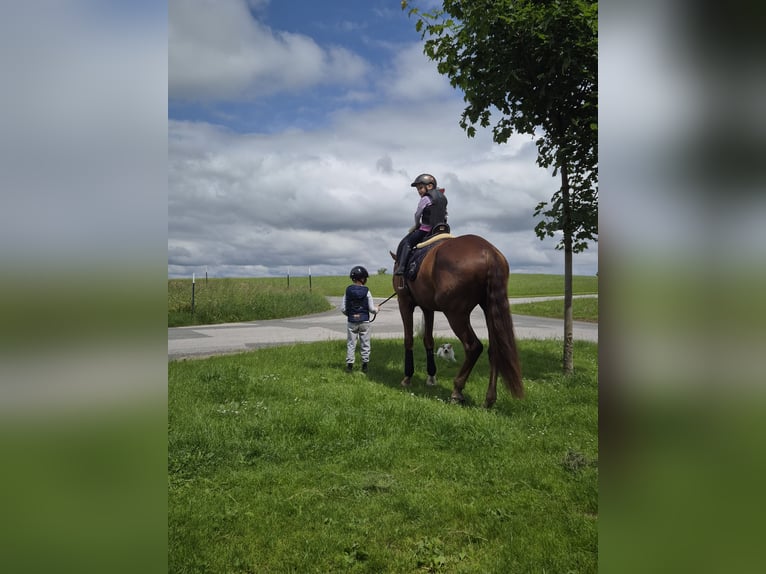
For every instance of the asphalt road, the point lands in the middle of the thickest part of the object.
(209, 340)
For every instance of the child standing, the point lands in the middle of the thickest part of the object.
(357, 306)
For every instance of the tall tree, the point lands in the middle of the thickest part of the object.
(531, 67)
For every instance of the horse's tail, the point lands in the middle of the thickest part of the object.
(503, 354)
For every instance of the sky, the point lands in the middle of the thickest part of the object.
(296, 128)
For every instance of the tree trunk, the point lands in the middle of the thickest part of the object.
(568, 364)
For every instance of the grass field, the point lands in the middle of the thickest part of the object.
(280, 462)
(584, 309)
(233, 300)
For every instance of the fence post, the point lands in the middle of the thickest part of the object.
(193, 293)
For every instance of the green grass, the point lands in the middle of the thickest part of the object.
(280, 462)
(519, 285)
(585, 309)
(232, 300)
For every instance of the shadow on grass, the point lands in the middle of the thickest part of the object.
(539, 362)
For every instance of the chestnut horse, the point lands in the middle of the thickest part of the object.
(454, 277)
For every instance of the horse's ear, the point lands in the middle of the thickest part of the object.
(393, 255)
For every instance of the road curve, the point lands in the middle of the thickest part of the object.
(210, 340)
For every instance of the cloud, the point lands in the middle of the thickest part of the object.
(412, 76)
(264, 202)
(218, 51)
(330, 188)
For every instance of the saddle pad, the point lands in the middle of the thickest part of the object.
(419, 253)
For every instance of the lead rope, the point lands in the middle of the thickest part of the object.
(381, 304)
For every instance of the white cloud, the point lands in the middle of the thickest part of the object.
(216, 50)
(328, 198)
(337, 193)
(413, 76)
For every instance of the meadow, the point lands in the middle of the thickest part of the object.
(232, 300)
(583, 309)
(278, 461)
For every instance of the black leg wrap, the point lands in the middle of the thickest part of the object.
(409, 363)
(430, 363)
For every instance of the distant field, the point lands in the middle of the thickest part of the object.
(249, 299)
(519, 285)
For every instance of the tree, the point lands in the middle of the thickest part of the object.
(531, 66)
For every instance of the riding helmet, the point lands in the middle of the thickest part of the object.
(359, 273)
(424, 179)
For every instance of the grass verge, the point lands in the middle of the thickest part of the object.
(584, 309)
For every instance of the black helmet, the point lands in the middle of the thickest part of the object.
(424, 179)
(359, 273)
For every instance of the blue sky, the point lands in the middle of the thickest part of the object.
(295, 129)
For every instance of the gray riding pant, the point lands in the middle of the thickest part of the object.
(363, 332)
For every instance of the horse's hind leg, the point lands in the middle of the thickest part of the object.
(461, 325)
(492, 388)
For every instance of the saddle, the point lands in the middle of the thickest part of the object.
(438, 234)
(435, 234)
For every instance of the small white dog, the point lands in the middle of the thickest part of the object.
(446, 352)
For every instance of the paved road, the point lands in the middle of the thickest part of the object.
(209, 340)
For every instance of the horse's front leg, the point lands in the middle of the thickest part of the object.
(428, 343)
(406, 311)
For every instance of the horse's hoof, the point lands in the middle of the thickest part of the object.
(457, 400)
(406, 382)
(431, 381)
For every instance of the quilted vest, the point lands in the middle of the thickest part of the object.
(437, 211)
(357, 309)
